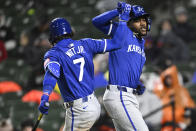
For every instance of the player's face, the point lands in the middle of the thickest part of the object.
(139, 26)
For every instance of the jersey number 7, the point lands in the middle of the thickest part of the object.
(82, 62)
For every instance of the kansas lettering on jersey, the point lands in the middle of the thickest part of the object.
(137, 49)
(125, 64)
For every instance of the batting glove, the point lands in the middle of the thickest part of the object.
(44, 105)
(140, 89)
(124, 11)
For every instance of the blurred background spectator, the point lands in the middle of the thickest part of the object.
(24, 41)
(170, 44)
(3, 52)
(182, 26)
(7, 36)
(171, 89)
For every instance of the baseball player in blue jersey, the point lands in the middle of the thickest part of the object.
(125, 66)
(70, 63)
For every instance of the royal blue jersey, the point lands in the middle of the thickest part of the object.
(125, 64)
(75, 58)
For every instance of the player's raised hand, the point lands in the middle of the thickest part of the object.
(44, 105)
(124, 10)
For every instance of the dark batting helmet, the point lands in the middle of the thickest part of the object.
(59, 27)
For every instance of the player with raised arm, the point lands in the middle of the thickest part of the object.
(70, 63)
(125, 66)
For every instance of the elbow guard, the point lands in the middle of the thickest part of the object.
(54, 68)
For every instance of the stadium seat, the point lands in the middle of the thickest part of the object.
(21, 111)
(11, 96)
(14, 70)
(4, 112)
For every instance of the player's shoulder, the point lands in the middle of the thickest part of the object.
(122, 25)
(51, 52)
(85, 40)
(116, 24)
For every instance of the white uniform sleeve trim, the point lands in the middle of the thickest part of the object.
(51, 62)
(105, 45)
(110, 30)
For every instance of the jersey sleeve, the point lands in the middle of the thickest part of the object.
(113, 28)
(106, 45)
(98, 46)
(49, 82)
(104, 22)
(95, 46)
(51, 63)
(109, 29)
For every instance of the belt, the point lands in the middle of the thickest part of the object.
(78, 101)
(121, 88)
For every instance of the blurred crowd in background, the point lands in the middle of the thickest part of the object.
(169, 73)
